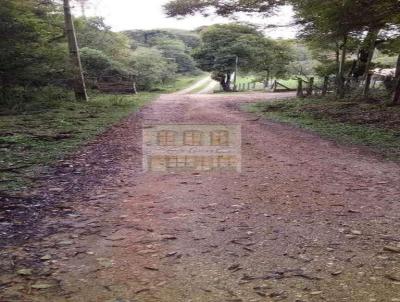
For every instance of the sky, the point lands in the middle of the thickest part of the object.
(148, 14)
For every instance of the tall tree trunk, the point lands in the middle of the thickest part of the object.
(228, 80)
(337, 57)
(371, 41)
(266, 81)
(396, 93)
(341, 80)
(225, 81)
(310, 87)
(300, 93)
(325, 86)
(79, 81)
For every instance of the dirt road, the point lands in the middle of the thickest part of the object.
(202, 86)
(306, 220)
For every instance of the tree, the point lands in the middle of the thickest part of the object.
(173, 44)
(148, 38)
(341, 22)
(97, 64)
(24, 25)
(223, 43)
(176, 49)
(274, 60)
(334, 19)
(94, 33)
(151, 68)
(221, 7)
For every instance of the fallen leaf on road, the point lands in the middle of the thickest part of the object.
(24, 272)
(391, 248)
(42, 285)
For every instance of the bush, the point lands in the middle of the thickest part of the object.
(151, 68)
(97, 64)
(18, 99)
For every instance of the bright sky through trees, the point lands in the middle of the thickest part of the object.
(148, 14)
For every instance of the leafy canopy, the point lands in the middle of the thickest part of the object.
(222, 43)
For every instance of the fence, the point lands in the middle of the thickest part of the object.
(328, 85)
(307, 87)
(276, 86)
(113, 84)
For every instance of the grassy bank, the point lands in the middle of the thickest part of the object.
(32, 140)
(376, 126)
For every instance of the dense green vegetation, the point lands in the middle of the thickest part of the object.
(35, 63)
(175, 45)
(226, 48)
(343, 35)
(354, 121)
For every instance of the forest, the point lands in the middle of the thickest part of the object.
(44, 71)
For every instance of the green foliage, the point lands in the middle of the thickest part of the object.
(149, 38)
(223, 43)
(176, 50)
(95, 34)
(30, 52)
(34, 54)
(173, 44)
(97, 64)
(333, 29)
(224, 8)
(151, 68)
(20, 99)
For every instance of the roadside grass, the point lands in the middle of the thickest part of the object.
(291, 83)
(35, 134)
(374, 125)
(32, 140)
(244, 79)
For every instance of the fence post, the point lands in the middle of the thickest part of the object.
(367, 84)
(396, 90)
(300, 88)
(310, 86)
(266, 83)
(248, 86)
(254, 85)
(325, 86)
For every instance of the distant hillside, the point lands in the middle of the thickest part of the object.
(174, 44)
(148, 38)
